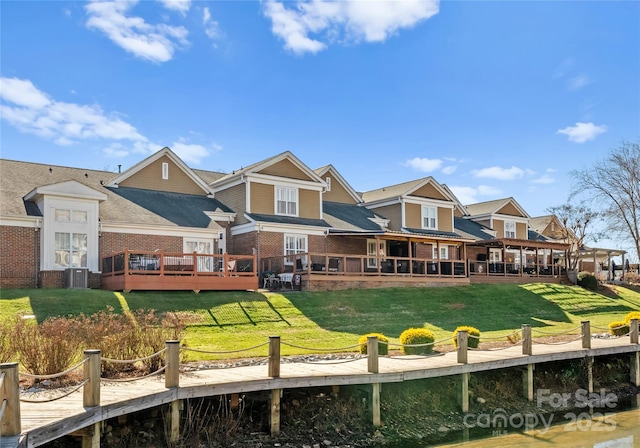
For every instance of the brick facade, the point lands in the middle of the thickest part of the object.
(118, 242)
(21, 256)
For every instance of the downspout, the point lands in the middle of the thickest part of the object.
(36, 244)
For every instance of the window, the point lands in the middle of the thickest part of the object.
(165, 170)
(375, 250)
(205, 263)
(293, 245)
(328, 181)
(444, 253)
(429, 217)
(286, 201)
(79, 216)
(63, 215)
(509, 229)
(70, 250)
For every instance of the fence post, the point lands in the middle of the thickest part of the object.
(172, 372)
(586, 334)
(91, 391)
(527, 343)
(274, 356)
(372, 354)
(633, 331)
(10, 424)
(463, 340)
(172, 379)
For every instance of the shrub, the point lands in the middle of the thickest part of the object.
(474, 336)
(48, 348)
(618, 328)
(416, 336)
(588, 281)
(7, 352)
(383, 343)
(631, 315)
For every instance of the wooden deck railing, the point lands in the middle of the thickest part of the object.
(363, 265)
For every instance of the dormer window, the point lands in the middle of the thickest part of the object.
(165, 170)
(429, 217)
(286, 201)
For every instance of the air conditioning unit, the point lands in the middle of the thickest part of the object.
(76, 278)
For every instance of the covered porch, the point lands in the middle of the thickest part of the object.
(158, 270)
(507, 257)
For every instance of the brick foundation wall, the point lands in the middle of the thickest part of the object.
(20, 256)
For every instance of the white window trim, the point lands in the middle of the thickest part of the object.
(443, 255)
(287, 191)
(165, 170)
(424, 215)
(289, 256)
(328, 181)
(515, 228)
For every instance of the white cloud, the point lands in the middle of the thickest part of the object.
(582, 132)
(496, 172)
(355, 20)
(449, 169)
(182, 6)
(578, 82)
(34, 112)
(211, 28)
(156, 43)
(469, 195)
(545, 179)
(188, 152)
(423, 164)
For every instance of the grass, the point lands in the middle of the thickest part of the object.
(222, 321)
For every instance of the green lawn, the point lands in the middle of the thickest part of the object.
(220, 321)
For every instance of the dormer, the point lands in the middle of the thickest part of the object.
(505, 216)
(281, 186)
(421, 204)
(338, 189)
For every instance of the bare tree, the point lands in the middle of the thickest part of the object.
(614, 184)
(576, 222)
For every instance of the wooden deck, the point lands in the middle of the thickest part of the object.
(44, 422)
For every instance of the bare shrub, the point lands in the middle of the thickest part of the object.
(7, 352)
(152, 334)
(48, 348)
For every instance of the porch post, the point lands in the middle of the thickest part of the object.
(538, 262)
(521, 262)
(504, 261)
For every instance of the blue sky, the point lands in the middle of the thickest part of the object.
(494, 99)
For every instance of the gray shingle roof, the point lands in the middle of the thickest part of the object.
(349, 216)
(471, 228)
(392, 191)
(287, 220)
(435, 233)
(17, 179)
(185, 210)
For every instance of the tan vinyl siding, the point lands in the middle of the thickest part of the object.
(413, 216)
(234, 198)
(285, 168)
(486, 223)
(509, 209)
(429, 191)
(393, 213)
(150, 178)
(521, 231)
(338, 193)
(445, 219)
(498, 226)
(262, 198)
(309, 202)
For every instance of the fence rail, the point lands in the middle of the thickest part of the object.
(9, 375)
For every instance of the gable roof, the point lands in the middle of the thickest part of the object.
(154, 157)
(540, 223)
(20, 183)
(404, 189)
(494, 207)
(254, 168)
(330, 168)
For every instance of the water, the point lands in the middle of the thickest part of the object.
(616, 426)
